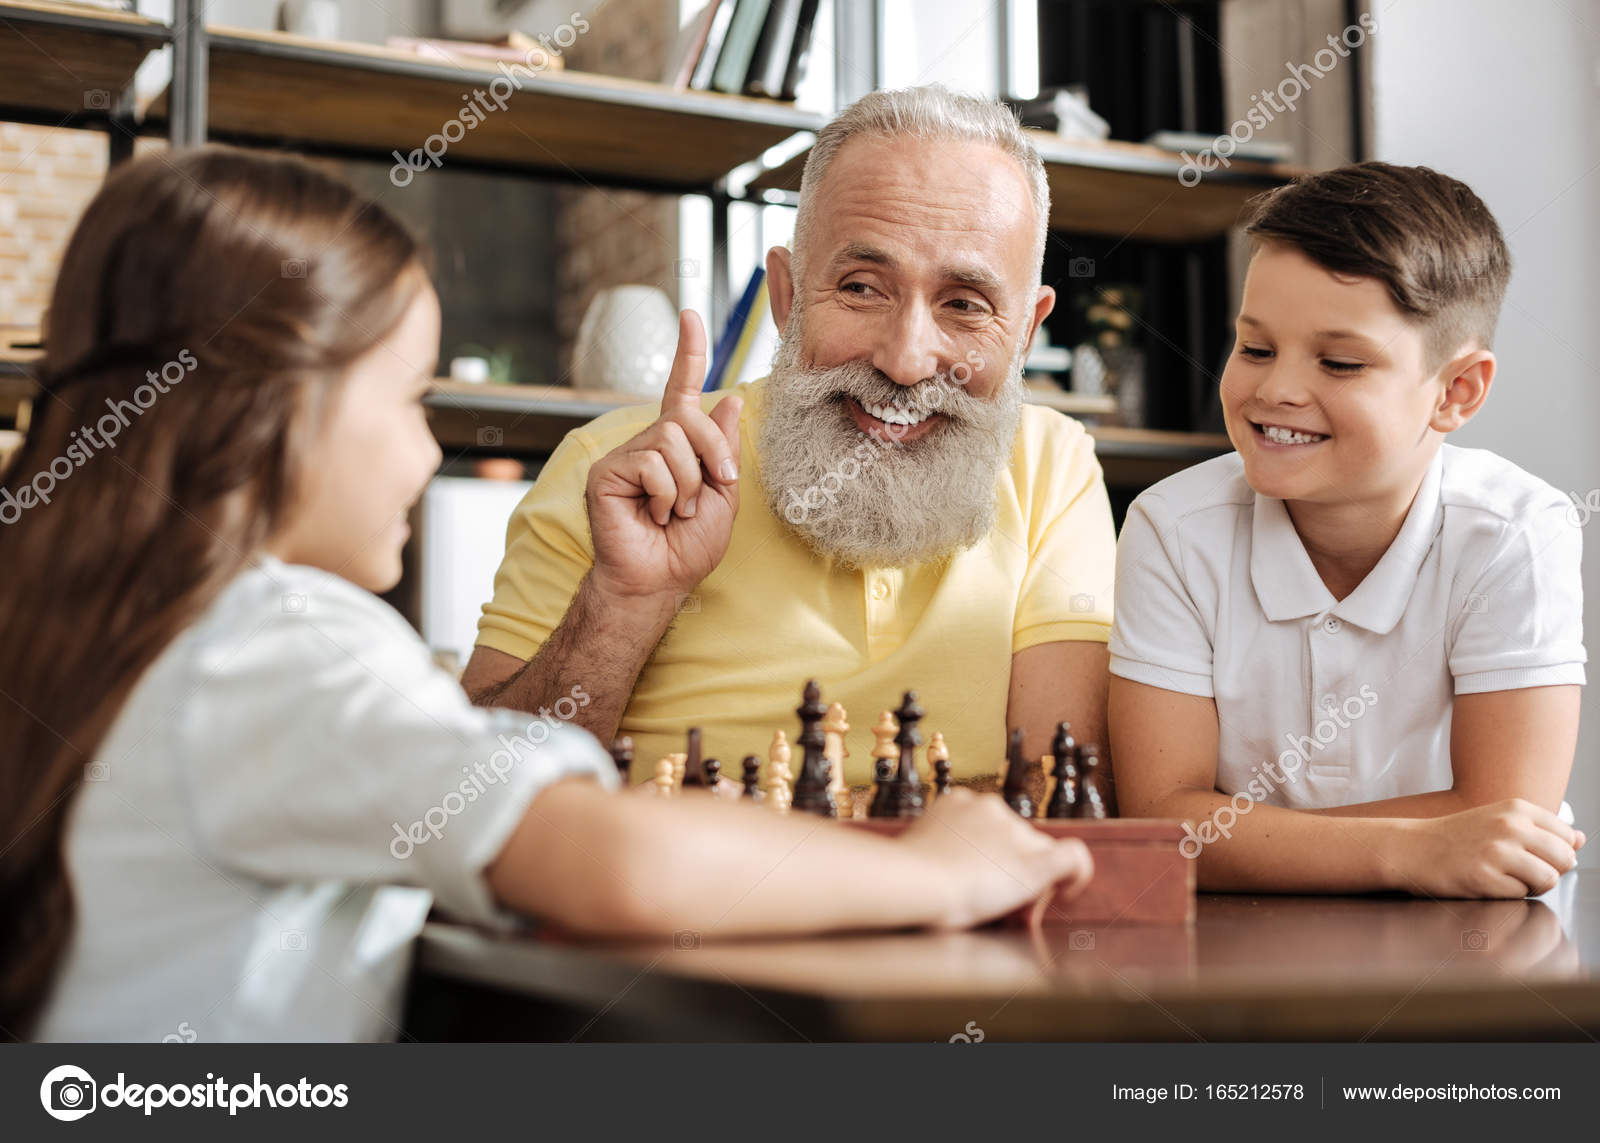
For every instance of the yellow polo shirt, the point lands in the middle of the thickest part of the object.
(775, 614)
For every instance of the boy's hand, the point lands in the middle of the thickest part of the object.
(1509, 849)
(992, 860)
(661, 505)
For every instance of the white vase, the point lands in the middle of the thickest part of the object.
(626, 341)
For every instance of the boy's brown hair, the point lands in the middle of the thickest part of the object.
(1424, 235)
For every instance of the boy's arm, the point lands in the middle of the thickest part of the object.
(1503, 744)
(1166, 743)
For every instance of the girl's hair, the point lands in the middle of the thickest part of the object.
(208, 303)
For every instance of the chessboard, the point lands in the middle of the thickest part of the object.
(1140, 874)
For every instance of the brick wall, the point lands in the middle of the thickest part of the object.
(47, 177)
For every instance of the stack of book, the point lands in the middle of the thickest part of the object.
(746, 47)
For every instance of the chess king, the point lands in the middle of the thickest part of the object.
(881, 512)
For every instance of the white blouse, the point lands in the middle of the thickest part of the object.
(240, 851)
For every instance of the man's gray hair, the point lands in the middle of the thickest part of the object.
(932, 112)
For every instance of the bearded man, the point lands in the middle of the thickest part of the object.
(881, 513)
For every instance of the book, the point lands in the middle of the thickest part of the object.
(691, 43)
(733, 65)
(770, 63)
(800, 55)
(513, 47)
(716, 36)
(733, 332)
(752, 357)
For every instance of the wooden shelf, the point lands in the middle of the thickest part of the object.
(1122, 190)
(65, 64)
(529, 419)
(367, 101)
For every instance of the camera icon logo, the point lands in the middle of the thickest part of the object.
(686, 939)
(1474, 940)
(1080, 940)
(1080, 268)
(686, 268)
(67, 1093)
(97, 772)
(1477, 603)
(1081, 602)
(686, 603)
(294, 267)
(294, 603)
(97, 99)
(292, 940)
(491, 436)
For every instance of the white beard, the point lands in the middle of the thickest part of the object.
(888, 504)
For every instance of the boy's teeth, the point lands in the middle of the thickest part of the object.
(894, 416)
(1289, 436)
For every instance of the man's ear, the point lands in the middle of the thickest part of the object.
(1042, 306)
(1467, 380)
(780, 284)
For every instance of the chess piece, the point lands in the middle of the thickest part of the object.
(665, 778)
(905, 791)
(752, 778)
(711, 772)
(1015, 791)
(680, 764)
(939, 759)
(811, 787)
(779, 778)
(1064, 798)
(622, 755)
(1090, 803)
(886, 754)
(834, 728)
(693, 772)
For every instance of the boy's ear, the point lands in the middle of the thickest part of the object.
(1467, 379)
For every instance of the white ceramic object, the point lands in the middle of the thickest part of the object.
(626, 341)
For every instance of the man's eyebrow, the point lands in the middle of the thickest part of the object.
(857, 252)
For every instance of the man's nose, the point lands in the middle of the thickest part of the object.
(907, 347)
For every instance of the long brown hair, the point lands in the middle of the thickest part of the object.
(207, 303)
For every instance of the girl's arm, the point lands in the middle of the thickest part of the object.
(1167, 745)
(609, 865)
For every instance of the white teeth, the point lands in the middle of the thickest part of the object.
(892, 415)
(1289, 436)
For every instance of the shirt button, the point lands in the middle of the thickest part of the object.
(1329, 701)
(1331, 625)
(880, 590)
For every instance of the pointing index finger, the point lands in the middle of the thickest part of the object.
(688, 365)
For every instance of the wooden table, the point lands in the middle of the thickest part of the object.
(1250, 968)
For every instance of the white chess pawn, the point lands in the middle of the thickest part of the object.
(780, 780)
(664, 781)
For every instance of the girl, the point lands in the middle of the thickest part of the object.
(221, 759)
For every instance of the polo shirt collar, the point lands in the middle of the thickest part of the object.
(1288, 586)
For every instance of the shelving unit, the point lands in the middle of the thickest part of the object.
(1125, 190)
(66, 66)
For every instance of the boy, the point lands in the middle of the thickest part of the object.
(1350, 654)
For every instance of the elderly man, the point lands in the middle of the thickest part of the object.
(881, 513)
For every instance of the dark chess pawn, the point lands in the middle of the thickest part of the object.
(1090, 804)
(1015, 791)
(622, 755)
(712, 771)
(1064, 798)
(752, 778)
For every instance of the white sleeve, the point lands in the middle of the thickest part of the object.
(323, 744)
(1519, 623)
(1158, 636)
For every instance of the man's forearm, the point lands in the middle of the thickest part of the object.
(600, 645)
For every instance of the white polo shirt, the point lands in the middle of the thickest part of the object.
(1323, 702)
(240, 849)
